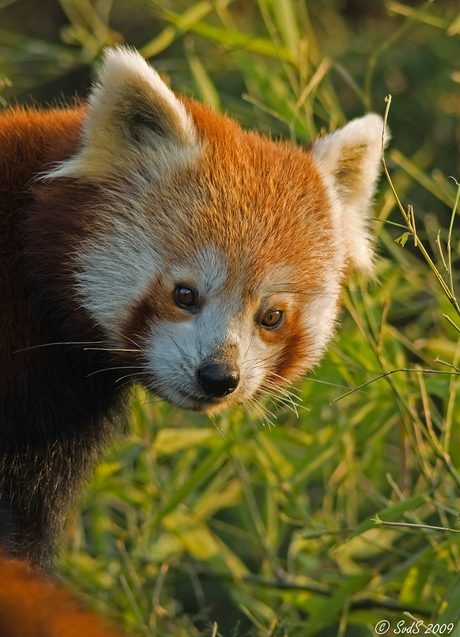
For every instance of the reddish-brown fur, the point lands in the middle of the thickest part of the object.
(30, 140)
(31, 606)
(260, 203)
(43, 223)
(235, 157)
(31, 471)
(238, 184)
(106, 211)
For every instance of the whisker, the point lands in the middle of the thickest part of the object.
(282, 395)
(110, 349)
(130, 376)
(325, 382)
(259, 361)
(25, 349)
(110, 369)
(285, 394)
(129, 339)
(265, 408)
(178, 347)
(262, 411)
(286, 381)
(284, 401)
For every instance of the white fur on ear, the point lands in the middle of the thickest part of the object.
(349, 160)
(133, 117)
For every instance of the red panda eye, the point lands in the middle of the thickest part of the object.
(184, 297)
(272, 319)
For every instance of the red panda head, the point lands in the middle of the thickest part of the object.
(214, 254)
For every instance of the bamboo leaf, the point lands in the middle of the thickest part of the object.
(206, 468)
(413, 585)
(287, 24)
(206, 88)
(182, 23)
(402, 240)
(392, 512)
(169, 441)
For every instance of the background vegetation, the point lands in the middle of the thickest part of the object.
(242, 528)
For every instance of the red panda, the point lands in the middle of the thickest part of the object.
(30, 606)
(145, 238)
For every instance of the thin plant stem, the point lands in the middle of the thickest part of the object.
(410, 525)
(410, 222)
(449, 238)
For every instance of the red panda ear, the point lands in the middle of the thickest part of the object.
(349, 160)
(133, 118)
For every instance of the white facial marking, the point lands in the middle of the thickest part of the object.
(319, 318)
(206, 270)
(227, 322)
(177, 350)
(116, 271)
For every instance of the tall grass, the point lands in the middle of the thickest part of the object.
(345, 514)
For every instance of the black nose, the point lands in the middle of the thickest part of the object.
(218, 379)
